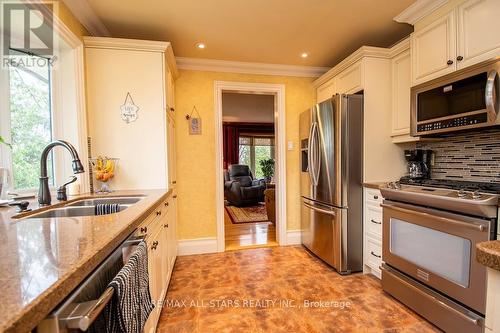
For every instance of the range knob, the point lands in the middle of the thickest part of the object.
(476, 195)
(462, 194)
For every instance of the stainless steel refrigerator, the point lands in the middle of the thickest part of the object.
(331, 139)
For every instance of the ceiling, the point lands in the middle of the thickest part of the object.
(266, 31)
(247, 108)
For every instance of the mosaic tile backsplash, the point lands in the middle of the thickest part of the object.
(473, 156)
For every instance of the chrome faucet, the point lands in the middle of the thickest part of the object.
(44, 198)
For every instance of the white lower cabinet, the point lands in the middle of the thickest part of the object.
(161, 239)
(492, 323)
(372, 234)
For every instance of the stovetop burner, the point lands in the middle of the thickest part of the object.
(493, 188)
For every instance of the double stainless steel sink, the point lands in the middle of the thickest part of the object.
(86, 207)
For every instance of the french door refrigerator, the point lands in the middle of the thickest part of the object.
(331, 141)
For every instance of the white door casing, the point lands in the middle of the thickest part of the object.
(278, 90)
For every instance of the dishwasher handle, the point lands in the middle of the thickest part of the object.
(81, 315)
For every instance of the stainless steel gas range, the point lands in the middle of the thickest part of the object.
(430, 232)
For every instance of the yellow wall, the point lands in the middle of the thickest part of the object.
(196, 153)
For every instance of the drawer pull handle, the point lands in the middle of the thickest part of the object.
(144, 229)
(375, 197)
(376, 222)
(175, 196)
(375, 255)
(174, 182)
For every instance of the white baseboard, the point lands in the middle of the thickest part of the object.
(293, 237)
(197, 246)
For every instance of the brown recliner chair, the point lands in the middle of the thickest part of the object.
(240, 189)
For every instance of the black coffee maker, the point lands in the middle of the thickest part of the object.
(419, 163)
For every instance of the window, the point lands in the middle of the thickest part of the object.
(254, 149)
(27, 118)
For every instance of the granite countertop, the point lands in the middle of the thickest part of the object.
(488, 254)
(43, 259)
(374, 185)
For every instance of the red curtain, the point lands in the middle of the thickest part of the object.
(231, 145)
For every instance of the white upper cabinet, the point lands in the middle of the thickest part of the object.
(433, 50)
(478, 31)
(463, 36)
(401, 81)
(350, 80)
(325, 91)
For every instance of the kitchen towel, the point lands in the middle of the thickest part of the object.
(131, 303)
(104, 209)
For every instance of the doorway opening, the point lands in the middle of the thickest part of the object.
(250, 165)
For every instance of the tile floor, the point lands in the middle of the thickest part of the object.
(267, 290)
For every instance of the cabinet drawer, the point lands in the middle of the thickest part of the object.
(150, 223)
(373, 220)
(373, 196)
(373, 253)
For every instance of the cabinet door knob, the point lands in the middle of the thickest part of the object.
(166, 204)
(175, 197)
(450, 62)
(144, 229)
(172, 109)
(174, 182)
(375, 197)
(158, 213)
(165, 225)
(154, 245)
(460, 58)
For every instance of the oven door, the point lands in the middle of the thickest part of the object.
(437, 248)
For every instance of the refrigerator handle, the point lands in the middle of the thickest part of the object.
(317, 156)
(309, 154)
(324, 211)
(314, 154)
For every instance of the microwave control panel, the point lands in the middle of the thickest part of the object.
(455, 122)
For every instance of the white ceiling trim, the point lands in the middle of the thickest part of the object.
(363, 51)
(85, 14)
(418, 10)
(212, 65)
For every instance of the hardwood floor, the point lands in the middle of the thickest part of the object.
(248, 235)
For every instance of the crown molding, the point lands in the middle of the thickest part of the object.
(126, 44)
(418, 10)
(212, 65)
(363, 51)
(399, 47)
(82, 10)
(136, 45)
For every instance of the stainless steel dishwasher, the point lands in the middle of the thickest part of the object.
(81, 309)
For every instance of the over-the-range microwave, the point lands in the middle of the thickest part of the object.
(465, 99)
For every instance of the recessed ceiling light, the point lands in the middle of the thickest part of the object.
(201, 46)
(304, 55)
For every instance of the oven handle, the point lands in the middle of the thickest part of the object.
(324, 211)
(476, 227)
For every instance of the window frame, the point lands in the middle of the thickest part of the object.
(71, 47)
(5, 129)
(253, 137)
